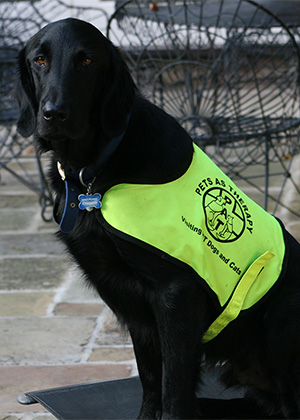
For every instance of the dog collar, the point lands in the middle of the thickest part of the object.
(76, 202)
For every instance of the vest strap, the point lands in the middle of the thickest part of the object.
(235, 304)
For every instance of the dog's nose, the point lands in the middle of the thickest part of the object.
(56, 112)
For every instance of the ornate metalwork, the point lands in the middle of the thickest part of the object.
(19, 20)
(227, 71)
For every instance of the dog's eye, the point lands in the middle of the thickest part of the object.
(41, 60)
(86, 62)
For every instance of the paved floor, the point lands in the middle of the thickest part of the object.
(53, 330)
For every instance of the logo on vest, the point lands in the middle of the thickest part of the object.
(224, 216)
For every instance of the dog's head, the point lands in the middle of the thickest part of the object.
(73, 86)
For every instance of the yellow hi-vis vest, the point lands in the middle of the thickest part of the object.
(205, 221)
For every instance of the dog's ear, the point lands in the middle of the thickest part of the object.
(25, 97)
(118, 95)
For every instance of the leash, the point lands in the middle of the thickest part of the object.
(76, 202)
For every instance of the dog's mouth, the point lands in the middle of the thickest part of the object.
(55, 138)
(67, 155)
(70, 139)
(72, 152)
(57, 133)
(59, 144)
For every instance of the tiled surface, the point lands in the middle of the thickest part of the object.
(54, 330)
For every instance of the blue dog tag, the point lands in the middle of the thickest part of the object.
(89, 201)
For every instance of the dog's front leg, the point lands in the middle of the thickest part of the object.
(148, 356)
(180, 326)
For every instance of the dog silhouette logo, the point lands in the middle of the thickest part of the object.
(224, 216)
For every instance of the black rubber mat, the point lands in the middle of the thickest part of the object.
(121, 399)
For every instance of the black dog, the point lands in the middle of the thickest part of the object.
(78, 98)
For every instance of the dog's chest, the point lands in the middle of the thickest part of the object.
(96, 254)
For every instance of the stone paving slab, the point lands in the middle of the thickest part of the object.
(15, 219)
(117, 354)
(27, 171)
(17, 244)
(15, 380)
(9, 185)
(27, 416)
(79, 290)
(78, 309)
(24, 304)
(112, 333)
(19, 201)
(36, 340)
(26, 163)
(32, 273)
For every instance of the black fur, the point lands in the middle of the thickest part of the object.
(162, 305)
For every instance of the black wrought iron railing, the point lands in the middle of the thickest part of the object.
(228, 70)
